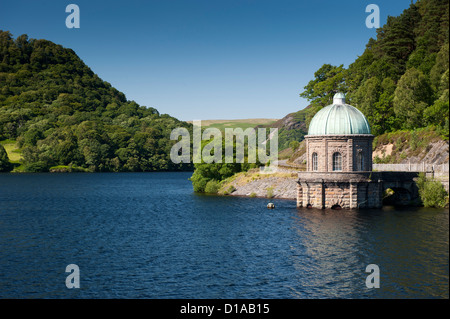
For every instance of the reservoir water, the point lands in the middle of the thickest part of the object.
(147, 235)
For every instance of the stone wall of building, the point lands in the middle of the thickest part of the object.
(354, 189)
(370, 194)
(347, 145)
(363, 145)
(339, 194)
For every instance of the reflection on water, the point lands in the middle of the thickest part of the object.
(330, 241)
(409, 245)
(149, 236)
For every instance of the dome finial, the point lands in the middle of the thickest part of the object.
(339, 98)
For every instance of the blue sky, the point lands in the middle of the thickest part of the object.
(206, 59)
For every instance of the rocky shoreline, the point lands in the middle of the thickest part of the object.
(282, 184)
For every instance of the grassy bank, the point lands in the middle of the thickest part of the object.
(14, 154)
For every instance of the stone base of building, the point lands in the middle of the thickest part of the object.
(352, 190)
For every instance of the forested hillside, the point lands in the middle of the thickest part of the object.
(61, 113)
(400, 82)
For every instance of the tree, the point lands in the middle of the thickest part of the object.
(396, 40)
(328, 80)
(411, 97)
(367, 96)
(437, 114)
(384, 119)
(439, 68)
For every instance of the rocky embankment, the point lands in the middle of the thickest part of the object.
(253, 183)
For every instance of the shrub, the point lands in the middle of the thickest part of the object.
(198, 182)
(36, 167)
(252, 195)
(432, 192)
(212, 187)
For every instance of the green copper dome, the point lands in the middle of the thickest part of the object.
(339, 119)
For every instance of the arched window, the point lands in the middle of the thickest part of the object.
(360, 161)
(314, 162)
(337, 161)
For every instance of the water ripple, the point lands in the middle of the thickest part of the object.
(149, 236)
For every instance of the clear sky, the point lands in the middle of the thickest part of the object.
(206, 59)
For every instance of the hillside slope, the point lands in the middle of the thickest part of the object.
(292, 127)
(419, 146)
(62, 114)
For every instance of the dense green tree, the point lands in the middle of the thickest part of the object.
(384, 119)
(216, 172)
(327, 81)
(411, 98)
(437, 72)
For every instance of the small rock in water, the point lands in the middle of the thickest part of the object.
(270, 205)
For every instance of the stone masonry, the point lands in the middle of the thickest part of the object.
(339, 163)
(351, 186)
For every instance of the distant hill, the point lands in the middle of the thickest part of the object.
(56, 112)
(292, 127)
(240, 123)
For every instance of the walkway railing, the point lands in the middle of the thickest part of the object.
(439, 169)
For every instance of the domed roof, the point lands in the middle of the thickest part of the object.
(339, 119)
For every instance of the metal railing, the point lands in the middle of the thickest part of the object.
(417, 167)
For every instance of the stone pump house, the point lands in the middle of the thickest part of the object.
(339, 160)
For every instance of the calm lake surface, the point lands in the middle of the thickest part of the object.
(147, 235)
